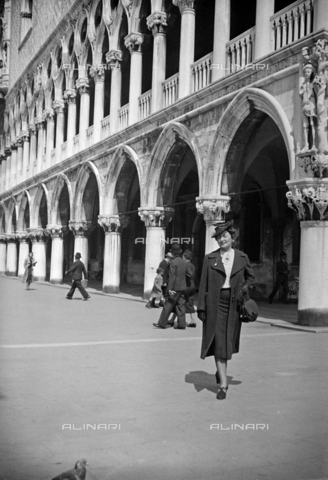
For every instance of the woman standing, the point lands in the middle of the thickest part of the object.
(226, 276)
(28, 274)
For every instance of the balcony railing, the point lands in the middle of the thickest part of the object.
(105, 127)
(201, 73)
(171, 90)
(89, 136)
(292, 23)
(144, 105)
(123, 117)
(240, 51)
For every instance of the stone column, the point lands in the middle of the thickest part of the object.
(23, 252)
(58, 106)
(40, 127)
(39, 238)
(214, 209)
(3, 254)
(113, 226)
(10, 166)
(321, 15)
(82, 84)
(157, 23)
(48, 116)
(32, 167)
(11, 266)
(187, 44)
(56, 232)
(19, 163)
(26, 153)
(221, 37)
(2, 162)
(98, 73)
(80, 230)
(133, 43)
(309, 198)
(156, 220)
(264, 10)
(70, 96)
(114, 59)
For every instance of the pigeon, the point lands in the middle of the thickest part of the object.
(77, 473)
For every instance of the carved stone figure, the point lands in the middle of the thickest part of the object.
(308, 107)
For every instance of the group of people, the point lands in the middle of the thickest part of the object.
(77, 269)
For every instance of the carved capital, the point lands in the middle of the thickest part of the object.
(309, 199)
(133, 42)
(80, 228)
(25, 14)
(82, 84)
(113, 223)
(157, 22)
(39, 122)
(313, 164)
(3, 239)
(70, 95)
(58, 106)
(25, 136)
(184, 5)
(114, 59)
(48, 114)
(98, 72)
(22, 237)
(11, 238)
(213, 209)
(56, 231)
(8, 150)
(32, 128)
(13, 146)
(19, 142)
(38, 235)
(157, 216)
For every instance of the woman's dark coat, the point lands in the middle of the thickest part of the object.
(212, 280)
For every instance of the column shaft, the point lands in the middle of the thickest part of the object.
(57, 260)
(155, 252)
(221, 37)
(99, 77)
(11, 267)
(187, 46)
(115, 99)
(32, 156)
(71, 121)
(159, 64)
(135, 86)
(264, 10)
(81, 245)
(3, 256)
(112, 262)
(320, 15)
(19, 169)
(50, 137)
(39, 252)
(83, 86)
(26, 153)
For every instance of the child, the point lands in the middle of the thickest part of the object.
(156, 292)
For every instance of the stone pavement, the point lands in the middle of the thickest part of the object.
(95, 379)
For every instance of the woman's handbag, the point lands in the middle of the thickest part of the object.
(248, 311)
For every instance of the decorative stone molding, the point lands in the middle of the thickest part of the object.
(184, 4)
(156, 217)
(82, 84)
(25, 136)
(25, 14)
(38, 234)
(8, 150)
(133, 42)
(11, 238)
(98, 72)
(114, 59)
(22, 237)
(113, 223)
(56, 231)
(80, 228)
(19, 142)
(32, 128)
(58, 106)
(312, 164)
(309, 201)
(157, 22)
(3, 239)
(39, 122)
(213, 209)
(70, 95)
(13, 146)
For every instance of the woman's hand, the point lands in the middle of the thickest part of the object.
(201, 315)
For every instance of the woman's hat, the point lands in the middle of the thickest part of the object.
(223, 227)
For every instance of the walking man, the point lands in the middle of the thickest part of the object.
(176, 288)
(165, 265)
(77, 269)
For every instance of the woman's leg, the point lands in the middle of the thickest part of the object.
(221, 365)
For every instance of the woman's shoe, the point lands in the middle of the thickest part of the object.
(217, 376)
(192, 325)
(222, 393)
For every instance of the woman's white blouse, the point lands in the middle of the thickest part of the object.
(227, 260)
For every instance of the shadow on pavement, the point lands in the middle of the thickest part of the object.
(203, 380)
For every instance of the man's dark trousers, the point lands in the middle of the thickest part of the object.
(77, 284)
(282, 280)
(173, 303)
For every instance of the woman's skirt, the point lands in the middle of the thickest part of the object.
(218, 346)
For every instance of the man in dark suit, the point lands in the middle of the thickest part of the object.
(282, 278)
(176, 288)
(165, 265)
(77, 269)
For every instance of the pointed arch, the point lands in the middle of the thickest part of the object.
(3, 217)
(171, 134)
(241, 106)
(61, 181)
(25, 200)
(12, 207)
(81, 182)
(41, 189)
(115, 167)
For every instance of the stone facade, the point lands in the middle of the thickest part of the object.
(92, 161)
